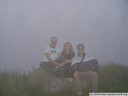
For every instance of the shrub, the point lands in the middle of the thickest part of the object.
(112, 78)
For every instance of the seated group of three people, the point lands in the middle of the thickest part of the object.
(73, 66)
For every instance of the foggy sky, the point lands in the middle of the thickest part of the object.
(26, 27)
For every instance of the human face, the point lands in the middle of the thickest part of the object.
(80, 50)
(53, 41)
(67, 47)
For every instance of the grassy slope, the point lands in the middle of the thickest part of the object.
(112, 78)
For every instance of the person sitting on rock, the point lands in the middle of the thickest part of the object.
(65, 61)
(51, 53)
(84, 66)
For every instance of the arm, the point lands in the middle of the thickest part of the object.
(50, 59)
(67, 61)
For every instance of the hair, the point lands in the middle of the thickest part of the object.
(80, 45)
(53, 37)
(71, 49)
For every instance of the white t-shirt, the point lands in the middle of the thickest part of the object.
(54, 53)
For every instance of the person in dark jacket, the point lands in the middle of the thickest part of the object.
(84, 66)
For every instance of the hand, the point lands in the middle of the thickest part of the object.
(61, 65)
(58, 64)
(67, 61)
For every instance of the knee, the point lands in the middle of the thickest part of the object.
(94, 75)
(76, 74)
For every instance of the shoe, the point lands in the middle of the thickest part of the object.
(79, 93)
(69, 79)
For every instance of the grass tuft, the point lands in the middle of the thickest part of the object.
(112, 78)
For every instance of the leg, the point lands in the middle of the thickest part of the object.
(68, 70)
(47, 66)
(94, 81)
(77, 81)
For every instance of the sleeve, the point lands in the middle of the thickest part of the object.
(58, 51)
(47, 50)
(75, 60)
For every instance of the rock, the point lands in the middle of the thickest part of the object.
(48, 81)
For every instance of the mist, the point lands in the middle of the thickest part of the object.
(26, 27)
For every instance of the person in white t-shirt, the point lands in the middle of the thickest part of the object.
(51, 53)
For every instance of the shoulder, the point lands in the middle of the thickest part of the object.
(88, 56)
(73, 54)
(76, 57)
(57, 50)
(47, 49)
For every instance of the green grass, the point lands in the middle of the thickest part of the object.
(112, 78)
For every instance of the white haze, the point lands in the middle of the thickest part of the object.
(26, 27)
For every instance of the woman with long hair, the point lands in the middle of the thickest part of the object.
(68, 54)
